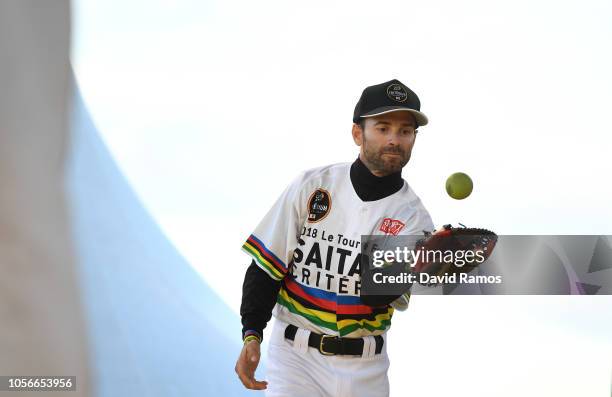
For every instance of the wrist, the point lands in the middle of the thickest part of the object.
(250, 335)
(251, 338)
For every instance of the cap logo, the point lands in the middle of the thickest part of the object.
(397, 92)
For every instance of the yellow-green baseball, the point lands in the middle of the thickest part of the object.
(459, 185)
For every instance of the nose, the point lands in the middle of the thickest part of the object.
(393, 138)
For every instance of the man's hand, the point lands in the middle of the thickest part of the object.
(247, 364)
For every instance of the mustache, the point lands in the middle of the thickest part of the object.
(392, 150)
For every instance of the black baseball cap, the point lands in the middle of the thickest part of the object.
(392, 96)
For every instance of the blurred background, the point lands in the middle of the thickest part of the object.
(189, 118)
(210, 108)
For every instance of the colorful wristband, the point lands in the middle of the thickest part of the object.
(251, 332)
(250, 338)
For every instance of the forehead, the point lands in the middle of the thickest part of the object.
(398, 117)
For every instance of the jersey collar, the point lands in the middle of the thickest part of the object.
(370, 187)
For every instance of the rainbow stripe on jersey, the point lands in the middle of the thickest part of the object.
(341, 313)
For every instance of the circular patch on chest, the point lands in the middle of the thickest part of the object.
(319, 205)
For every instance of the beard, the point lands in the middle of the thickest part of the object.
(377, 161)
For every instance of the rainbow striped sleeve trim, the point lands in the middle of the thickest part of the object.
(265, 258)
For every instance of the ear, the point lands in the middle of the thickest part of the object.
(357, 134)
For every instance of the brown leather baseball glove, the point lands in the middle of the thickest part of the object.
(452, 250)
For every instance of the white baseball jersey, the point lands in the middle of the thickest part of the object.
(311, 239)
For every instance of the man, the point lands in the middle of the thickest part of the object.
(328, 339)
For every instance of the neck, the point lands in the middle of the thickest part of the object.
(369, 186)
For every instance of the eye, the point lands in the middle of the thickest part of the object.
(382, 129)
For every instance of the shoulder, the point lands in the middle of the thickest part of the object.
(409, 196)
(327, 171)
(323, 175)
(312, 179)
(412, 204)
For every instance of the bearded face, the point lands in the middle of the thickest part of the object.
(385, 159)
(386, 142)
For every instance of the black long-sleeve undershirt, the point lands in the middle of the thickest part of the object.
(259, 290)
